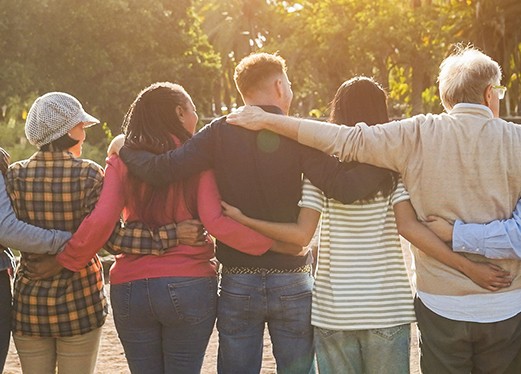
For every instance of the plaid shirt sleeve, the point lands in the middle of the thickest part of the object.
(138, 239)
(94, 185)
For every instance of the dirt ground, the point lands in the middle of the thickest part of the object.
(111, 359)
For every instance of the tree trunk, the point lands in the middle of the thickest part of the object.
(418, 73)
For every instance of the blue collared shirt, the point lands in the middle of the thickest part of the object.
(500, 239)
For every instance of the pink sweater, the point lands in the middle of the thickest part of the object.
(183, 260)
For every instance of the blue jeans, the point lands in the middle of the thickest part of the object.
(5, 316)
(164, 324)
(246, 303)
(372, 351)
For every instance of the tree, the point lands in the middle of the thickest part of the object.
(104, 51)
(235, 28)
(495, 27)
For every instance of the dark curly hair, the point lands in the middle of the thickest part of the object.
(152, 124)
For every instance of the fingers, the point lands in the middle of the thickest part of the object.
(196, 242)
(200, 243)
(225, 205)
(191, 222)
(41, 274)
(498, 268)
(190, 229)
(32, 257)
(38, 276)
(192, 232)
(32, 266)
(304, 251)
(115, 145)
(189, 225)
(33, 276)
(499, 278)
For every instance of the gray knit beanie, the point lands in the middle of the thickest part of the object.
(53, 115)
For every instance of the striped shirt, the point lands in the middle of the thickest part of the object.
(56, 190)
(361, 280)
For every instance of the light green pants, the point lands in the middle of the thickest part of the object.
(74, 354)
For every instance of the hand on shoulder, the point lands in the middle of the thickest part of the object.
(115, 145)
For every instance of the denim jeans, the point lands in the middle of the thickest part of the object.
(372, 351)
(5, 316)
(164, 324)
(246, 303)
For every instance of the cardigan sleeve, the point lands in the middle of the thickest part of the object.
(225, 229)
(387, 145)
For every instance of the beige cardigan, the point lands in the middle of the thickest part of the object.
(464, 164)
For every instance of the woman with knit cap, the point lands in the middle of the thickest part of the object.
(57, 321)
(17, 234)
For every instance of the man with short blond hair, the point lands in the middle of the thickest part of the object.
(261, 174)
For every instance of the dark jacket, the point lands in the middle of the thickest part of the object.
(258, 172)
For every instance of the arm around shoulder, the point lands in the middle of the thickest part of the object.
(97, 227)
(189, 159)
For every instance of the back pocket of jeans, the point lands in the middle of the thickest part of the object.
(120, 300)
(194, 300)
(296, 310)
(233, 312)
(390, 333)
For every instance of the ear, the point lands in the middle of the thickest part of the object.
(180, 112)
(487, 95)
(278, 87)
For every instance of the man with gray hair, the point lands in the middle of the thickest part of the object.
(463, 164)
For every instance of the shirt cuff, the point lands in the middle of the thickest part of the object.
(468, 238)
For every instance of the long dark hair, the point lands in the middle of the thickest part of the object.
(361, 99)
(152, 124)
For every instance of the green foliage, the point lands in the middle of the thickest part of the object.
(344, 38)
(13, 140)
(495, 27)
(103, 51)
(235, 28)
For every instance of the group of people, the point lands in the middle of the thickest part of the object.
(433, 179)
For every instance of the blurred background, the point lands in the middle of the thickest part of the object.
(105, 51)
